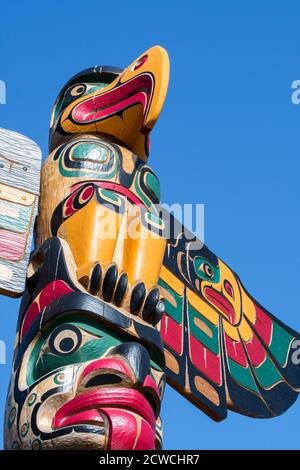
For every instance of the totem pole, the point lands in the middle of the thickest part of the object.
(109, 313)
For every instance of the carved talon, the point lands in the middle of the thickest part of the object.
(121, 289)
(137, 297)
(96, 278)
(154, 307)
(112, 287)
(109, 282)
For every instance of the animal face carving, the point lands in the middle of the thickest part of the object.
(81, 375)
(122, 104)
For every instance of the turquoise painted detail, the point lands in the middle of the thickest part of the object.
(206, 270)
(153, 183)
(155, 220)
(93, 152)
(242, 376)
(267, 374)
(97, 160)
(66, 98)
(14, 216)
(42, 360)
(281, 344)
(174, 312)
(150, 181)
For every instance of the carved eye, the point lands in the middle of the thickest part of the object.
(25, 168)
(205, 267)
(139, 63)
(1, 165)
(65, 340)
(229, 289)
(78, 90)
(75, 91)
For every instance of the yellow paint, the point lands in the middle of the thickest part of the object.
(169, 278)
(202, 307)
(9, 193)
(91, 233)
(132, 127)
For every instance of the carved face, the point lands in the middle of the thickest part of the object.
(82, 378)
(79, 385)
(123, 104)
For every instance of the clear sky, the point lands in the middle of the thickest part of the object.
(228, 137)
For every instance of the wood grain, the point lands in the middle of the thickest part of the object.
(20, 162)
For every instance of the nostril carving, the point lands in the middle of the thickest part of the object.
(103, 379)
(137, 356)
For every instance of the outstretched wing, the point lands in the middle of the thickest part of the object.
(223, 350)
(20, 163)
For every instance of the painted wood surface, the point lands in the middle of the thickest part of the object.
(20, 162)
(109, 313)
(223, 349)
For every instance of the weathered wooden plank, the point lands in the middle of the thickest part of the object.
(20, 163)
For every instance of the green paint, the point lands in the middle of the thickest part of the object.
(11, 417)
(153, 218)
(19, 223)
(242, 376)
(66, 98)
(97, 169)
(24, 429)
(174, 312)
(281, 343)
(200, 266)
(94, 152)
(31, 399)
(267, 374)
(111, 195)
(40, 363)
(93, 349)
(36, 444)
(153, 184)
(211, 343)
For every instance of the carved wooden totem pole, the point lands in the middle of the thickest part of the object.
(119, 296)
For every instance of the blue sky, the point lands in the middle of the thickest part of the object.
(228, 137)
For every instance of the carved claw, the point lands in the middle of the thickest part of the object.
(115, 288)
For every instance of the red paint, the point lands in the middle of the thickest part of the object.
(205, 360)
(151, 384)
(129, 431)
(110, 364)
(118, 188)
(256, 351)
(219, 301)
(87, 193)
(12, 245)
(263, 325)
(229, 289)
(172, 333)
(235, 351)
(140, 62)
(84, 417)
(105, 398)
(69, 208)
(135, 91)
(52, 291)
